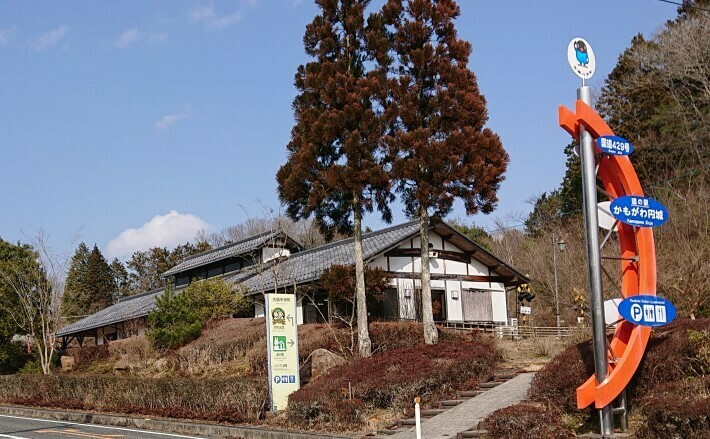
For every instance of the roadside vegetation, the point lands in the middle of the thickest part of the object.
(669, 396)
(222, 376)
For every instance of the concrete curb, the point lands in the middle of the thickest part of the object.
(164, 425)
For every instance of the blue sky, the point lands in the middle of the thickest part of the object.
(136, 123)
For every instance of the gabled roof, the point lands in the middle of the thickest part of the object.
(308, 266)
(241, 248)
(129, 308)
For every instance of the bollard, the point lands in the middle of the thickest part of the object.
(418, 417)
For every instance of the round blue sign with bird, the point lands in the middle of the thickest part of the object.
(580, 57)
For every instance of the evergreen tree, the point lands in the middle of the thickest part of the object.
(13, 258)
(439, 146)
(335, 170)
(90, 284)
(120, 280)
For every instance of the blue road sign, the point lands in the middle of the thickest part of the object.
(639, 211)
(647, 310)
(615, 145)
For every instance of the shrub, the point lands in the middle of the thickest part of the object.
(86, 355)
(555, 383)
(525, 421)
(234, 400)
(391, 380)
(677, 410)
(174, 322)
(674, 352)
(13, 357)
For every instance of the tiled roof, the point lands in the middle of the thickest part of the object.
(308, 266)
(226, 251)
(132, 307)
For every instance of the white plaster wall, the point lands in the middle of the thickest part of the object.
(475, 285)
(438, 285)
(299, 312)
(455, 267)
(500, 311)
(380, 262)
(454, 308)
(436, 265)
(269, 253)
(401, 265)
(259, 310)
(477, 268)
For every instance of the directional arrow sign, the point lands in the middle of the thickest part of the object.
(291, 342)
(289, 318)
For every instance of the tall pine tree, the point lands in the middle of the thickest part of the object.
(90, 284)
(439, 146)
(335, 170)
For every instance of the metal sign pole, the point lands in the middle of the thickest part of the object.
(591, 222)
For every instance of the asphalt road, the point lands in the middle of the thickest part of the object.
(16, 427)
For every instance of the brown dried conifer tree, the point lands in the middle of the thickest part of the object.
(439, 147)
(335, 170)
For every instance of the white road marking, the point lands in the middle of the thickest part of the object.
(94, 426)
(12, 437)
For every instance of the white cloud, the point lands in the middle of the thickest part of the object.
(169, 230)
(169, 120)
(206, 13)
(131, 36)
(128, 37)
(50, 38)
(6, 35)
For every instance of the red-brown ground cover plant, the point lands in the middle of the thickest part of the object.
(391, 380)
(525, 420)
(669, 390)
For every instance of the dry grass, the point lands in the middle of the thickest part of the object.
(530, 354)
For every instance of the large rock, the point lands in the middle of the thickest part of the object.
(67, 362)
(127, 363)
(323, 360)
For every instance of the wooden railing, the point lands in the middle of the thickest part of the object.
(521, 331)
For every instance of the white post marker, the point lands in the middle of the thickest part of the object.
(418, 417)
(282, 348)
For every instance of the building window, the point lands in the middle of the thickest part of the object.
(182, 280)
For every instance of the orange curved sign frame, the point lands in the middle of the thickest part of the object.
(638, 263)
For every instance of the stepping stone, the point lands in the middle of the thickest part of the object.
(471, 434)
(451, 402)
(432, 412)
(488, 385)
(468, 394)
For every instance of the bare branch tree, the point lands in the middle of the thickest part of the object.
(39, 290)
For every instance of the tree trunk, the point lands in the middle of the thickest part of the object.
(363, 334)
(431, 335)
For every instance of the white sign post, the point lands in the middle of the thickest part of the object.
(282, 348)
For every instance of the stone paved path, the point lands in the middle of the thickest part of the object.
(470, 412)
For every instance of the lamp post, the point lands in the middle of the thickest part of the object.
(561, 244)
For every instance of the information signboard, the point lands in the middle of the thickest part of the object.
(647, 310)
(639, 211)
(282, 348)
